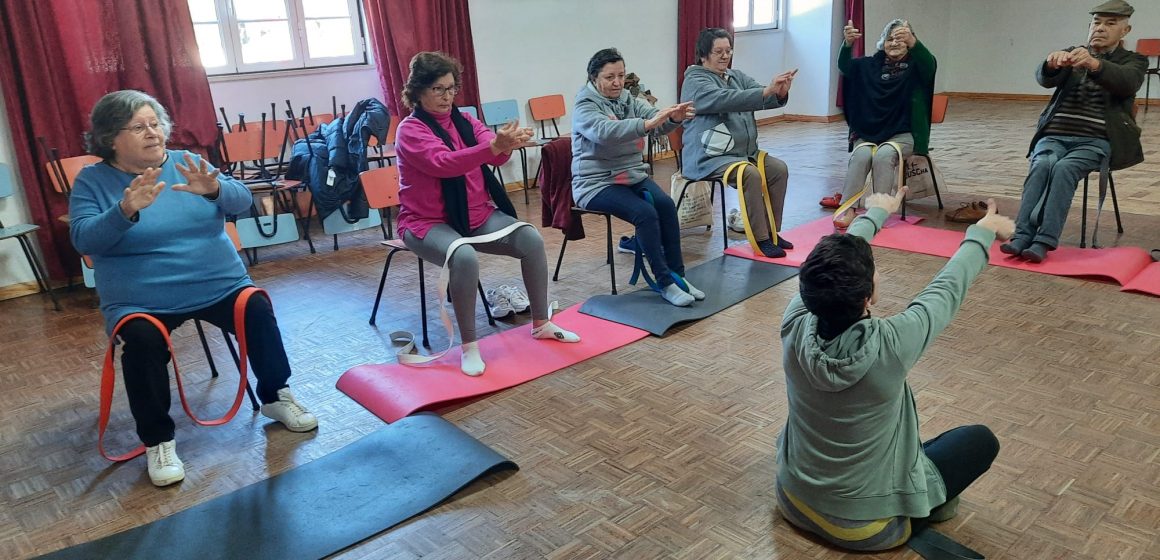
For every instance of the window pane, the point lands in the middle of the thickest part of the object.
(763, 12)
(260, 9)
(740, 13)
(324, 8)
(209, 43)
(329, 37)
(265, 41)
(202, 10)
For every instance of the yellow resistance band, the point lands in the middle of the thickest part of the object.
(866, 187)
(739, 169)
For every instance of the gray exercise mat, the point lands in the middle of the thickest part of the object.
(726, 281)
(321, 507)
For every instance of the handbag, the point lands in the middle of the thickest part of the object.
(922, 176)
(694, 205)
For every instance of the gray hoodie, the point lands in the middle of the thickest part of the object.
(724, 130)
(851, 446)
(608, 139)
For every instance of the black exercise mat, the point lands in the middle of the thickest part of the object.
(321, 507)
(726, 281)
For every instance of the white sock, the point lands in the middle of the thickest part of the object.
(471, 362)
(676, 296)
(693, 291)
(550, 331)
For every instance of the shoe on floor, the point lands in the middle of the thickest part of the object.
(831, 201)
(769, 250)
(784, 243)
(517, 298)
(735, 222)
(627, 245)
(500, 300)
(968, 213)
(1014, 247)
(1036, 252)
(291, 414)
(165, 467)
(945, 512)
(843, 220)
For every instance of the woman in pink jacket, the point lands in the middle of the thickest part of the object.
(447, 193)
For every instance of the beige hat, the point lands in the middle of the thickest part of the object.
(1114, 8)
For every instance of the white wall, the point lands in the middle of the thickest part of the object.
(812, 48)
(761, 55)
(14, 267)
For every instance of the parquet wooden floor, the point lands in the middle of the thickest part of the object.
(664, 448)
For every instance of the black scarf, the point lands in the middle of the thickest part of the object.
(878, 108)
(455, 188)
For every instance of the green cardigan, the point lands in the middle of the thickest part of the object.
(926, 65)
(850, 447)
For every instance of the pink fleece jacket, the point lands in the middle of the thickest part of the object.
(424, 160)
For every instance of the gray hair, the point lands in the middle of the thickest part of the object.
(113, 112)
(890, 27)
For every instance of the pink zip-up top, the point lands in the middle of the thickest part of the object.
(424, 160)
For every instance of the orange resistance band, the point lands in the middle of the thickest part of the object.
(109, 374)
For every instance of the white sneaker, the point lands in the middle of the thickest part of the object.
(165, 467)
(291, 414)
(501, 305)
(518, 299)
(735, 222)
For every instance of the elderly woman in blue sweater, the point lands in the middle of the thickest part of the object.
(609, 127)
(153, 222)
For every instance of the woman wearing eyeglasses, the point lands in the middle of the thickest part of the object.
(153, 222)
(724, 133)
(446, 193)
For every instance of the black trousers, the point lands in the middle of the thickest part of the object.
(145, 359)
(962, 455)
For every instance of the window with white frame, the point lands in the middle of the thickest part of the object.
(754, 15)
(239, 36)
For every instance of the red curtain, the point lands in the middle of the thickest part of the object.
(855, 12)
(59, 57)
(692, 17)
(400, 29)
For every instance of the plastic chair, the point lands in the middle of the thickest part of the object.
(470, 110)
(1106, 178)
(1149, 48)
(23, 234)
(498, 113)
(382, 189)
(544, 109)
(938, 114)
(385, 152)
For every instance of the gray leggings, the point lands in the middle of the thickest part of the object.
(884, 162)
(524, 243)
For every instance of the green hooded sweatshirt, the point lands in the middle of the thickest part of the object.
(850, 447)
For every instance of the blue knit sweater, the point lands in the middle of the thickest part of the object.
(176, 258)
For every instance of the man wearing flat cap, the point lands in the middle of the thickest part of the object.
(1088, 119)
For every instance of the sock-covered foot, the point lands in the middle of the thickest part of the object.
(549, 331)
(784, 243)
(1036, 252)
(676, 296)
(471, 362)
(769, 249)
(1014, 247)
(692, 290)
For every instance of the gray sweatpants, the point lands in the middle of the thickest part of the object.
(524, 243)
(884, 162)
(776, 179)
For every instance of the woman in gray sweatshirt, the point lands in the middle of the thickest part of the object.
(609, 127)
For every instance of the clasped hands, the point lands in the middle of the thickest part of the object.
(144, 188)
(676, 113)
(1078, 57)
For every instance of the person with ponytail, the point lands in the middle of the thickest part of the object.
(446, 193)
(609, 128)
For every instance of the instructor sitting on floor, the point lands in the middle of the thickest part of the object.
(1088, 119)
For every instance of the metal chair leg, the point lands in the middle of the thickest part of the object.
(1115, 203)
(486, 305)
(611, 264)
(423, 304)
(934, 180)
(560, 259)
(1083, 215)
(38, 271)
(238, 362)
(724, 219)
(213, 372)
(382, 283)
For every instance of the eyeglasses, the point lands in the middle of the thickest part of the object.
(139, 128)
(726, 53)
(440, 91)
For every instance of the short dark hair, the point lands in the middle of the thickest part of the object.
(705, 41)
(426, 69)
(600, 59)
(836, 280)
(113, 111)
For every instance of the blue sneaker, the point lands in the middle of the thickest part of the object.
(627, 244)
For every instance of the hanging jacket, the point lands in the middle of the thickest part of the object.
(556, 189)
(330, 159)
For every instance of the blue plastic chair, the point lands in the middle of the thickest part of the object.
(23, 234)
(498, 113)
(470, 110)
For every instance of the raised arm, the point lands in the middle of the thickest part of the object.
(95, 226)
(588, 121)
(421, 148)
(709, 97)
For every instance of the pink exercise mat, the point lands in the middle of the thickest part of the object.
(393, 391)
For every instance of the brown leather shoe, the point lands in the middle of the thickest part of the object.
(968, 213)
